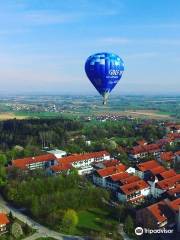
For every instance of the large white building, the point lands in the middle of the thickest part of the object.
(81, 162)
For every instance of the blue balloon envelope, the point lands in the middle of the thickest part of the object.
(104, 70)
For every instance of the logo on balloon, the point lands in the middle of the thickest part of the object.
(115, 72)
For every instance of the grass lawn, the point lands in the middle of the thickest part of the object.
(95, 220)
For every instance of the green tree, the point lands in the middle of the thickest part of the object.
(16, 230)
(129, 226)
(70, 220)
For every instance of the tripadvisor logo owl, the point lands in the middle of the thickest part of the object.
(139, 231)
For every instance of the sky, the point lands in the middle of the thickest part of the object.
(44, 44)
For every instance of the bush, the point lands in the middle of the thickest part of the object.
(16, 230)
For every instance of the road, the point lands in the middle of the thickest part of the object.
(41, 231)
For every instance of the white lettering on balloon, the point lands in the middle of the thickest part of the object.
(115, 72)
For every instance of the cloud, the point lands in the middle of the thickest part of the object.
(142, 55)
(46, 17)
(125, 41)
(115, 40)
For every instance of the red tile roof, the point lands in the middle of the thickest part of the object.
(61, 167)
(81, 157)
(110, 163)
(175, 204)
(130, 179)
(169, 183)
(119, 176)
(145, 148)
(3, 219)
(174, 136)
(157, 170)
(163, 141)
(142, 142)
(168, 174)
(147, 165)
(133, 187)
(167, 156)
(111, 170)
(158, 211)
(22, 163)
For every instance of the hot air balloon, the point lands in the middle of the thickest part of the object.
(104, 70)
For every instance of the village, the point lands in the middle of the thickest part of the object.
(155, 181)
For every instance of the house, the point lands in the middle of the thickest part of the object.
(177, 157)
(166, 158)
(82, 162)
(163, 142)
(175, 206)
(60, 168)
(142, 151)
(99, 176)
(159, 188)
(167, 174)
(173, 128)
(38, 162)
(174, 193)
(155, 216)
(4, 221)
(143, 169)
(169, 183)
(133, 192)
(174, 137)
(114, 181)
(129, 179)
(106, 163)
(157, 170)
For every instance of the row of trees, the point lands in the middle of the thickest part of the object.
(39, 132)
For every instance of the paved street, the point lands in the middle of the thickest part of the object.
(41, 231)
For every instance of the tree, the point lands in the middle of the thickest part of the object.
(16, 230)
(70, 220)
(3, 175)
(129, 226)
(121, 212)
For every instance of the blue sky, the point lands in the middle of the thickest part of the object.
(44, 44)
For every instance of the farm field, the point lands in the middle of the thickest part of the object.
(145, 114)
(11, 115)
